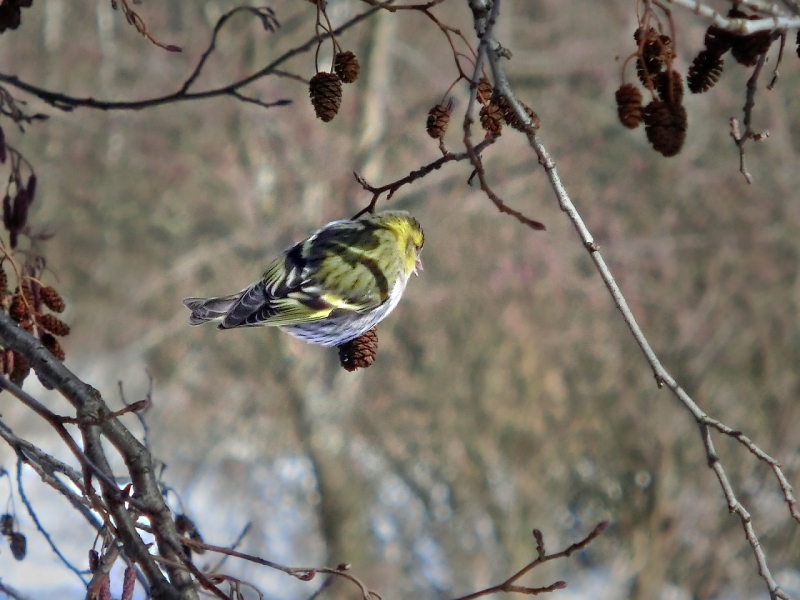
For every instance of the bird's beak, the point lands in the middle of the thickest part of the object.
(418, 265)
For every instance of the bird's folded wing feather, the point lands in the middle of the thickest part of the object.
(296, 289)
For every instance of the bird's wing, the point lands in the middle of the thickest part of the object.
(296, 289)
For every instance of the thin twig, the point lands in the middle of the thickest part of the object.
(390, 188)
(542, 557)
(40, 527)
(67, 103)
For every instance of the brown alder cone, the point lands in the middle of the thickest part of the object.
(485, 89)
(704, 71)
(747, 48)
(18, 545)
(346, 67)
(22, 369)
(54, 325)
(360, 352)
(510, 115)
(656, 55)
(665, 126)
(6, 524)
(53, 346)
(325, 90)
(491, 119)
(669, 87)
(718, 41)
(438, 120)
(52, 299)
(629, 105)
(19, 309)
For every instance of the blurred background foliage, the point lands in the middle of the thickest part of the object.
(507, 393)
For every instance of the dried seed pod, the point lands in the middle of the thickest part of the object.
(53, 346)
(718, 41)
(325, 90)
(438, 120)
(656, 54)
(19, 308)
(18, 545)
(629, 105)
(22, 369)
(31, 188)
(644, 74)
(747, 48)
(54, 325)
(360, 352)
(52, 299)
(94, 560)
(510, 115)
(704, 71)
(491, 119)
(665, 126)
(485, 89)
(669, 87)
(346, 67)
(6, 524)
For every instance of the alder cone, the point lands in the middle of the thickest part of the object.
(485, 90)
(52, 299)
(718, 41)
(704, 72)
(325, 90)
(54, 325)
(669, 87)
(747, 48)
(18, 545)
(360, 352)
(346, 67)
(53, 346)
(665, 125)
(656, 55)
(629, 105)
(18, 309)
(438, 120)
(510, 115)
(491, 119)
(6, 524)
(22, 369)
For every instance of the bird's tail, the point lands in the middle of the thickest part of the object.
(209, 309)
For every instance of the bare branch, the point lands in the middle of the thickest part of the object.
(508, 585)
(68, 103)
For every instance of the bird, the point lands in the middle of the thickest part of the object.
(331, 287)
